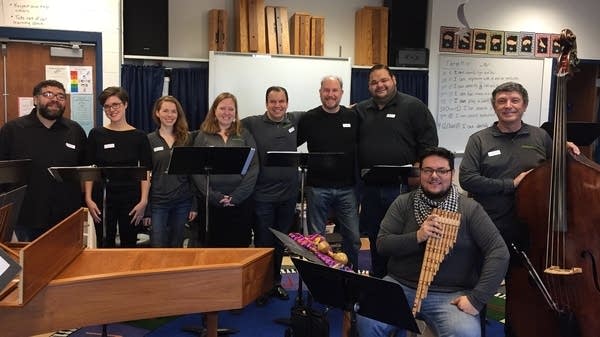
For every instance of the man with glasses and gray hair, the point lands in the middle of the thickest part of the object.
(48, 139)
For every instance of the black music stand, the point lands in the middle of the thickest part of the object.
(388, 174)
(7, 224)
(15, 172)
(14, 175)
(304, 161)
(209, 160)
(106, 174)
(368, 296)
(295, 248)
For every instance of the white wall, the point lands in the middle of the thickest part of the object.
(188, 23)
(89, 16)
(540, 16)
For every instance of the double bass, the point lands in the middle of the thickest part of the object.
(556, 291)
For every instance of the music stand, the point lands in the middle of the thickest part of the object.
(304, 161)
(12, 200)
(368, 296)
(104, 174)
(13, 179)
(388, 174)
(209, 160)
(15, 171)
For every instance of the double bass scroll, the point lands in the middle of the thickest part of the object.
(436, 250)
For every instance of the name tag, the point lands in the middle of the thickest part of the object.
(158, 148)
(346, 125)
(292, 129)
(390, 115)
(109, 146)
(70, 146)
(494, 153)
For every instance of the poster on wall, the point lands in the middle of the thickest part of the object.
(76, 79)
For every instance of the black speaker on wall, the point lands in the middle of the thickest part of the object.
(407, 28)
(146, 27)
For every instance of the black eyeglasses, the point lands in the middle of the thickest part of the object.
(50, 95)
(440, 171)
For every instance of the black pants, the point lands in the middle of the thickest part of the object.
(118, 205)
(228, 226)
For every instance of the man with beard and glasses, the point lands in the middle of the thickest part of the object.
(48, 139)
(467, 277)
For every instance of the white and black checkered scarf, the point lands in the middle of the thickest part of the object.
(424, 205)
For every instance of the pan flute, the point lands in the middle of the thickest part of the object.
(436, 250)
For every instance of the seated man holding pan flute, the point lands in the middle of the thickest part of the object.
(469, 273)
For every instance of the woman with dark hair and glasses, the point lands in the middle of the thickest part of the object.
(172, 201)
(117, 144)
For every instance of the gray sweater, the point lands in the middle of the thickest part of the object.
(238, 186)
(477, 262)
(274, 183)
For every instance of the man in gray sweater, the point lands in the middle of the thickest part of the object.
(467, 277)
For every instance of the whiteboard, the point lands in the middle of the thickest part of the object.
(248, 76)
(465, 90)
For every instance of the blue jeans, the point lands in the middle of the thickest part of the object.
(168, 223)
(374, 204)
(343, 202)
(278, 215)
(445, 319)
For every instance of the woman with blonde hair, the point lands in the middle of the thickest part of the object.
(172, 202)
(230, 205)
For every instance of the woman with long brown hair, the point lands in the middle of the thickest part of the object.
(172, 202)
(230, 205)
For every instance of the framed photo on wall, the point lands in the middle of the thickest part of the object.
(481, 41)
(542, 45)
(526, 43)
(464, 41)
(511, 43)
(448, 39)
(555, 48)
(496, 43)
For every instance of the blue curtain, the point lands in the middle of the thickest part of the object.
(412, 82)
(145, 86)
(190, 87)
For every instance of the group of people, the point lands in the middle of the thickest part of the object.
(389, 128)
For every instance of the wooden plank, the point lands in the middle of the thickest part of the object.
(283, 32)
(256, 26)
(260, 20)
(317, 36)
(305, 35)
(240, 12)
(380, 35)
(213, 29)
(271, 30)
(63, 242)
(222, 42)
(362, 37)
